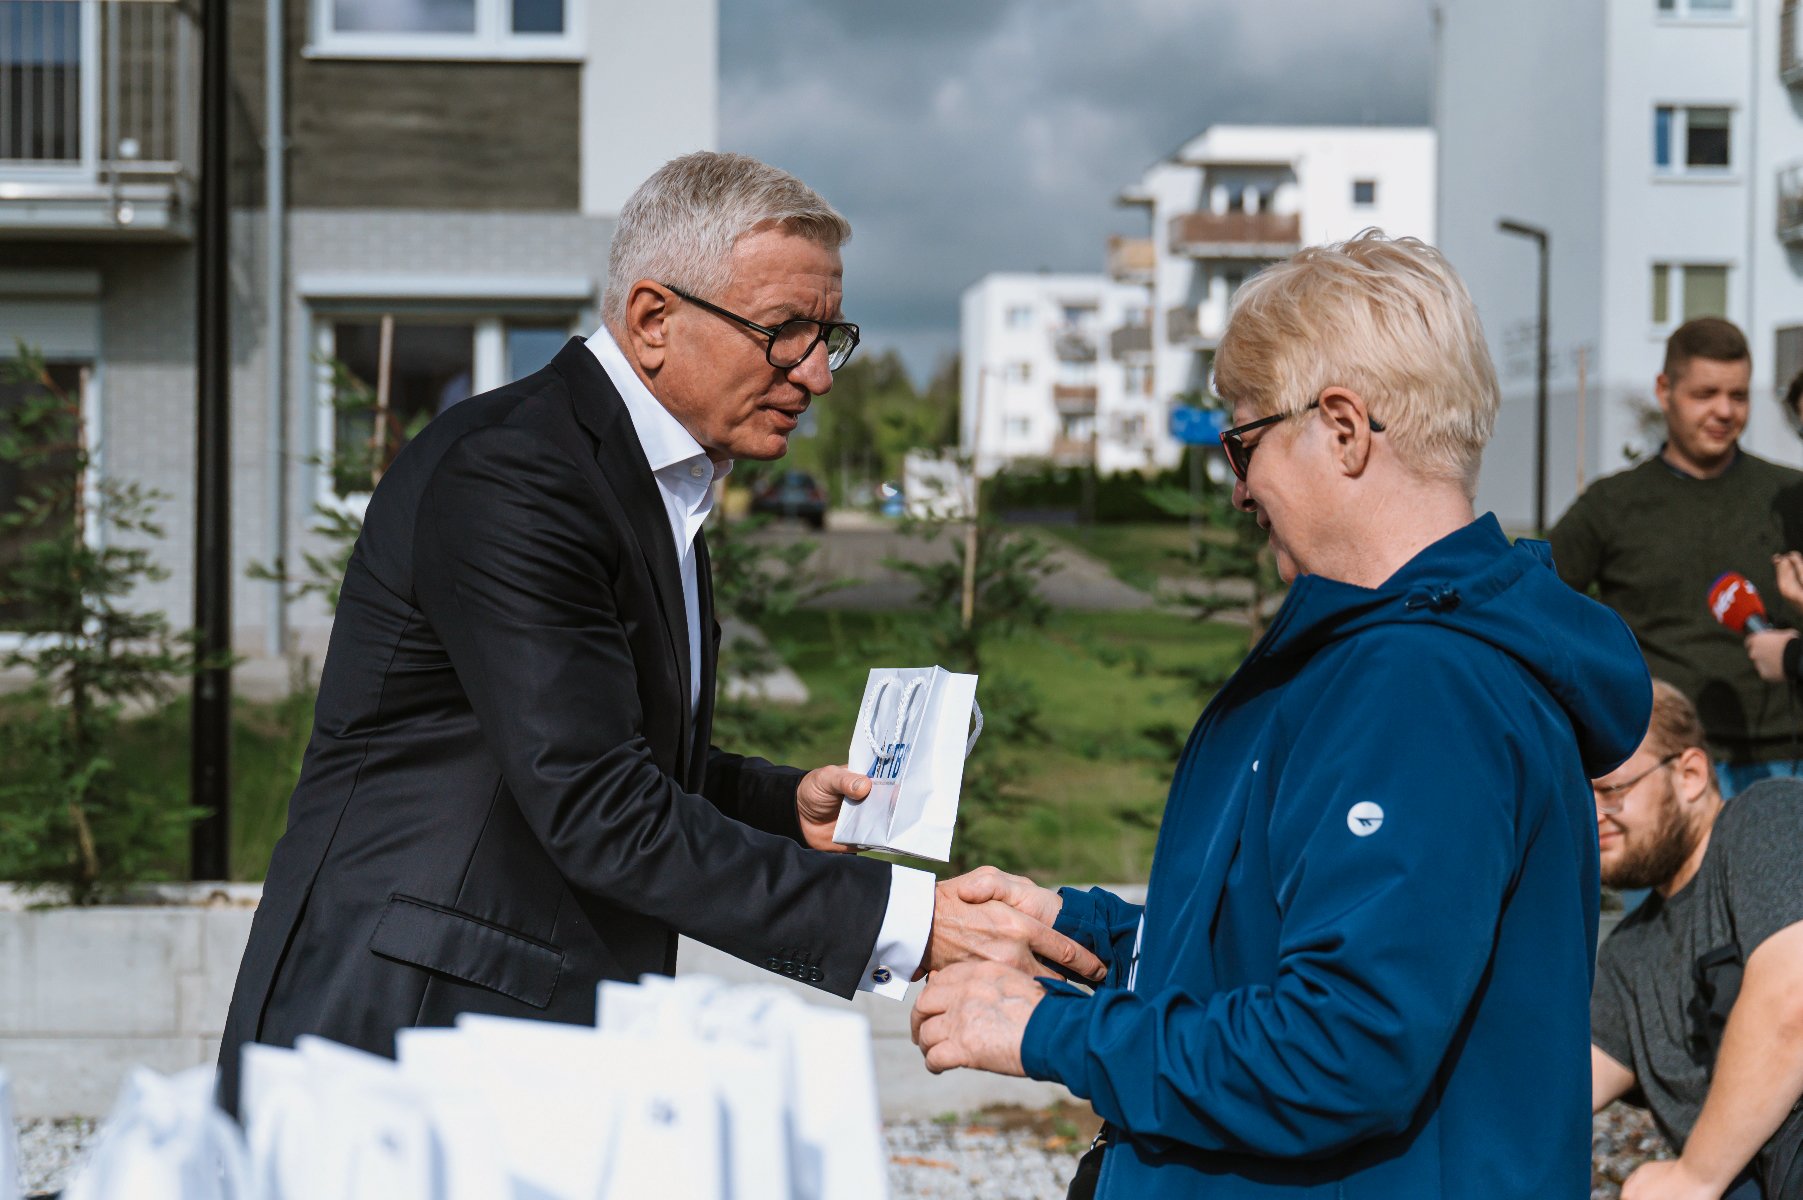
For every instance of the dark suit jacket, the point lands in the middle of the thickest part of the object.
(506, 798)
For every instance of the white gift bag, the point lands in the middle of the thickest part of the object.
(913, 734)
(10, 1182)
(165, 1140)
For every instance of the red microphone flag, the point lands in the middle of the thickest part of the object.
(1736, 603)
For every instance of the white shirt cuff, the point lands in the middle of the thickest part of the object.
(901, 944)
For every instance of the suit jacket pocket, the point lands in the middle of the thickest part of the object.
(451, 943)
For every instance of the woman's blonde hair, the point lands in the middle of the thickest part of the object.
(1387, 318)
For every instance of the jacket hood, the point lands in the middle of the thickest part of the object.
(1508, 596)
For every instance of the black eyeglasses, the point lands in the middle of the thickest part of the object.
(1609, 799)
(791, 342)
(1239, 454)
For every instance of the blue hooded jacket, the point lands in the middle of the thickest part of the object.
(1368, 940)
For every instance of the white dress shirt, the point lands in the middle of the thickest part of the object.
(685, 479)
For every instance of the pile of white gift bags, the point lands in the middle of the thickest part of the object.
(687, 1088)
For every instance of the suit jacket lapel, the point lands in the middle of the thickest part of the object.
(623, 463)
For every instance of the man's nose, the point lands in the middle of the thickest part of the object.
(812, 374)
(1242, 497)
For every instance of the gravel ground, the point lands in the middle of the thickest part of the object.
(1000, 1154)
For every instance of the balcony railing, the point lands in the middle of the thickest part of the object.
(99, 113)
(1131, 260)
(1790, 43)
(1130, 341)
(1236, 234)
(1074, 399)
(1071, 451)
(1074, 343)
(1790, 204)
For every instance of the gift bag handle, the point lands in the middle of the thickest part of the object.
(902, 711)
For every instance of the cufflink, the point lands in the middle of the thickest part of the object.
(881, 975)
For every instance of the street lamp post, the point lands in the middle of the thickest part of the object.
(1542, 239)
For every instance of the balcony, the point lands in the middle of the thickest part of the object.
(1131, 260)
(99, 119)
(1790, 43)
(1130, 341)
(1072, 343)
(1193, 326)
(1790, 204)
(1073, 451)
(1074, 400)
(1236, 234)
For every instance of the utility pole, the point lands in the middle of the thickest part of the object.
(1542, 239)
(210, 734)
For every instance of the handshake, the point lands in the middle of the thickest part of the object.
(992, 939)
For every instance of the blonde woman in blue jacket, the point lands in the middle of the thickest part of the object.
(1364, 962)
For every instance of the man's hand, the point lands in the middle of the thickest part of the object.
(1668, 1179)
(817, 800)
(1016, 891)
(1766, 649)
(1789, 566)
(994, 931)
(974, 1015)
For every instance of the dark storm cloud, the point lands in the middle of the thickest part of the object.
(968, 136)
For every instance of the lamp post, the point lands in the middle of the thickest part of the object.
(1542, 239)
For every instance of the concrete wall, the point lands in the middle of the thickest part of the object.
(86, 994)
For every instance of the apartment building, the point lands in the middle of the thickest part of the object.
(1236, 198)
(1057, 369)
(437, 219)
(1660, 145)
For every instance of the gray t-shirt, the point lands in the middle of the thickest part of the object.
(1646, 1012)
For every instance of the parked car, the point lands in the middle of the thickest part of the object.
(792, 494)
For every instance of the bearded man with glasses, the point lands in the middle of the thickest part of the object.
(1364, 958)
(1698, 1008)
(511, 792)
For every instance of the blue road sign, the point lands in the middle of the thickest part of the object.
(1197, 426)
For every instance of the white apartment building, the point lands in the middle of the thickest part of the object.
(1660, 144)
(1057, 368)
(1238, 197)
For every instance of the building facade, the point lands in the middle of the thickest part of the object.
(1057, 369)
(1236, 198)
(1659, 143)
(445, 186)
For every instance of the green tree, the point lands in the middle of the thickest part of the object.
(871, 419)
(69, 821)
(1005, 575)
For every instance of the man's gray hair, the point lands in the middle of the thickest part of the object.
(680, 226)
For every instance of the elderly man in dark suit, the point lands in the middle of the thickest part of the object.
(510, 792)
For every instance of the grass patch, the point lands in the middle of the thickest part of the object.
(1111, 710)
(1139, 554)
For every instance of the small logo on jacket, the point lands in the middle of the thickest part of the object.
(1364, 818)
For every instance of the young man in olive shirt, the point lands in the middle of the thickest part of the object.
(1697, 1011)
(1654, 538)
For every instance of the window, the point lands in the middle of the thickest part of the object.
(22, 482)
(1691, 139)
(446, 28)
(1016, 427)
(41, 83)
(1020, 316)
(1684, 291)
(1019, 372)
(1364, 192)
(1138, 379)
(432, 363)
(1696, 8)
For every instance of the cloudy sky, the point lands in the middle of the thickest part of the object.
(968, 136)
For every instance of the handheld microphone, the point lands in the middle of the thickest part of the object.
(1735, 602)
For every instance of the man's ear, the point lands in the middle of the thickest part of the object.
(1662, 389)
(647, 325)
(1349, 424)
(1690, 774)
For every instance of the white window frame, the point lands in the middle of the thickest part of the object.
(491, 40)
(1674, 293)
(488, 368)
(1678, 168)
(1687, 11)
